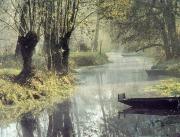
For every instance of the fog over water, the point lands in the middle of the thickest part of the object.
(93, 110)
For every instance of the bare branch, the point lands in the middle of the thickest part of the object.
(149, 46)
(85, 18)
(8, 25)
(15, 21)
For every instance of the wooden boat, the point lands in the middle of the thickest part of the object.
(159, 112)
(156, 72)
(153, 103)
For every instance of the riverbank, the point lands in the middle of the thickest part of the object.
(88, 58)
(172, 66)
(76, 59)
(171, 86)
(12, 93)
(168, 87)
(17, 99)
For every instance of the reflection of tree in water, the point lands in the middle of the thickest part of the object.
(60, 124)
(29, 125)
(84, 119)
(132, 125)
(142, 125)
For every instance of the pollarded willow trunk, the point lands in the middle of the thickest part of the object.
(53, 52)
(65, 53)
(47, 50)
(65, 61)
(60, 56)
(57, 65)
(59, 23)
(22, 28)
(28, 44)
(58, 53)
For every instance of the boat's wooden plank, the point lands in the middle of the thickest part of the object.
(159, 102)
(153, 72)
(161, 112)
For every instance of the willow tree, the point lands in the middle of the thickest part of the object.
(58, 23)
(28, 12)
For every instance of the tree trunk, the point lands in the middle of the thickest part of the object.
(171, 26)
(22, 29)
(164, 35)
(166, 46)
(65, 61)
(47, 50)
(170, 20)
(60, 56)
(58, 53)
(28, 44)
(18, 47)
(96, 38)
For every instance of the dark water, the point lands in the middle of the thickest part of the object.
(93, 111)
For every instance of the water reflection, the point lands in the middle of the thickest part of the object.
(93, 110)
(160, 112)
(143, 125)
(60, 123)
(28, 124)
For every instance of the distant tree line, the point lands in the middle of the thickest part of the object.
(151, 23)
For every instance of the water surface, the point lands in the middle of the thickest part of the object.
(93, 111)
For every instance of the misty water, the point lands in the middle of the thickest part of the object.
(93, 110)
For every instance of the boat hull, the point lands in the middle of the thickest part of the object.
(155, 72)
(158, 103)
(159, 112)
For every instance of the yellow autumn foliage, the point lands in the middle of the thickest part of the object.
(169, 87)
(116, 9)
(22, 99)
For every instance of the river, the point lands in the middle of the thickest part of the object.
(93, 110)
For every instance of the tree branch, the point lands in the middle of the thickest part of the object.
(149, 46)
(8, 25)
(84, 19)
(15, 21)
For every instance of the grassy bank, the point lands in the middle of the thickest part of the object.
(88, 58)
(16, 99)
(172, 65)
(168, 87)
(76, 59)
